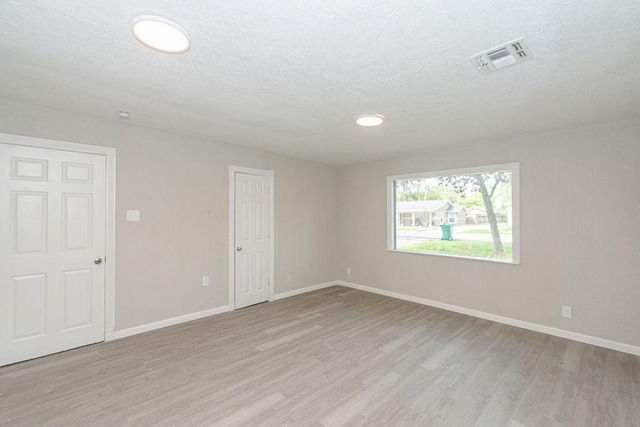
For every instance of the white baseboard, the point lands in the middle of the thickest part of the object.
(304, 290)
(587, 339)
(169, 322)
(206, 313)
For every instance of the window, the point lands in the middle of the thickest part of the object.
(477, 210)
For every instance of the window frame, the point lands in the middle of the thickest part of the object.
(514, 167)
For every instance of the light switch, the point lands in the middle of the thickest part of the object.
(133, 215)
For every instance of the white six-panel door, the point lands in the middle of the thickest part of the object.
(252, 224)
(52, 241)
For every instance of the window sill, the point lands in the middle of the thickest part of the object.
(496, 261)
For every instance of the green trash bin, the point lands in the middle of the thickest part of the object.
(447, 231)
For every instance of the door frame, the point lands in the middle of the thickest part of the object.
(110, 242)
(232, 227)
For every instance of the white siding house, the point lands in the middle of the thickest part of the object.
(427, 213)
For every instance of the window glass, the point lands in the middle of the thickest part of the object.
(467, 213)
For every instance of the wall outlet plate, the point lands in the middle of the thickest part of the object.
(566, 311)
(205, 280)
(133, 216)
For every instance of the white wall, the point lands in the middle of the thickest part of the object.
(180, 185)
(580, 232)
(574, 250)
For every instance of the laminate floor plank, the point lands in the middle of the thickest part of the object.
(333, 357)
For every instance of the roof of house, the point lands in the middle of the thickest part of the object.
(427, 206)
(421, 205)
(456, 208)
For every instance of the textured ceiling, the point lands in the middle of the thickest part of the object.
(291, 77)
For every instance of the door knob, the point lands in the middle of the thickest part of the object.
(238, 249)
(97, 261)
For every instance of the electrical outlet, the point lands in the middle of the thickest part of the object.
(133, 216)
(348, 271)
(288, 277)
(566, 311)
(205, 280)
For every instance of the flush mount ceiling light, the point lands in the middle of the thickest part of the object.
(370, 120)
(160, 34)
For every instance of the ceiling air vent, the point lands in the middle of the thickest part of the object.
(511, 53)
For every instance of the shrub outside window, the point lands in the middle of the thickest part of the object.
(466, 213)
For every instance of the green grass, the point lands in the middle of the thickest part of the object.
(459, 247)
(504, 229)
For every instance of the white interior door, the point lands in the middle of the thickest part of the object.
(52, 240)
(252, 225)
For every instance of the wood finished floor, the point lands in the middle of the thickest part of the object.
(331, 357)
